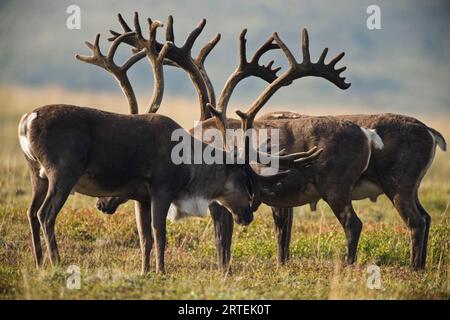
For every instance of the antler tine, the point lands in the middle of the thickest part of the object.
(289, 56)
(153, 26)
(243, 49)
(96, 53)
(137, 27)
(123, 23)
(207, 48)
(189, 43)
(131, 40)
(169, 29)
(267, 46)
(305, 47)
(322, 56)
(119, 72)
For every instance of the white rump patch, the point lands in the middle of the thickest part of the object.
(24, 126)
(374, 141)
(185, 207)
(374, 138)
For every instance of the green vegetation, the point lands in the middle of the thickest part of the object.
(106, 247)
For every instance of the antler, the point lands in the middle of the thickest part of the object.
(154, 51)
(181, 57)
(194, 67)
(155, 57)
(247, 69)
(200, 63)
(244, 70)
(119, 72)
(296, 71)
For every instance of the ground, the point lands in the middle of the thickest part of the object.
(106, 249)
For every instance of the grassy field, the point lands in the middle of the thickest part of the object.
(107, 252)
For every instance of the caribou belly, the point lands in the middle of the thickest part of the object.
(363, 189)
(366, 189)
(97, 186)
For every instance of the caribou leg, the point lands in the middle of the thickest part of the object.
(144, 227)
(343, 210)
(405, 204)
(223, 232)
(159, 206)
(39, 188)
(59, 188)
(427, 218)
(283, 226)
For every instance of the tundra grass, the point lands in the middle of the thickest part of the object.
(106, 248)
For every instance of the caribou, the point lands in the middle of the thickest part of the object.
(96, 153)
(347, 147)
(395, 170)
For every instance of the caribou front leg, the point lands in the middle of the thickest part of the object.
(352, 225)
(144, 227)
(282, 218)
(159, 207)
(223, 232)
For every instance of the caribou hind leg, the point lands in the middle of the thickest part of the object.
(343, 210)
(59, 188)
(223, 232)
(401, 187)
(39, 188)
(427, 218)
(283, 218)
(405, 203)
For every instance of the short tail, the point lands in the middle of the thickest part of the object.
(440, 141)
(374, 138)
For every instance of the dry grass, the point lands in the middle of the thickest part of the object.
(107, 251)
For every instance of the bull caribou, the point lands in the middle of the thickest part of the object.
(96, 153)
(347, 147)
(395, 170)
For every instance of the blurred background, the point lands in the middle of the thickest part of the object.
(404, 67)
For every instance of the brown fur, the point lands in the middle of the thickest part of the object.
(397, 169)
(99, 153)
